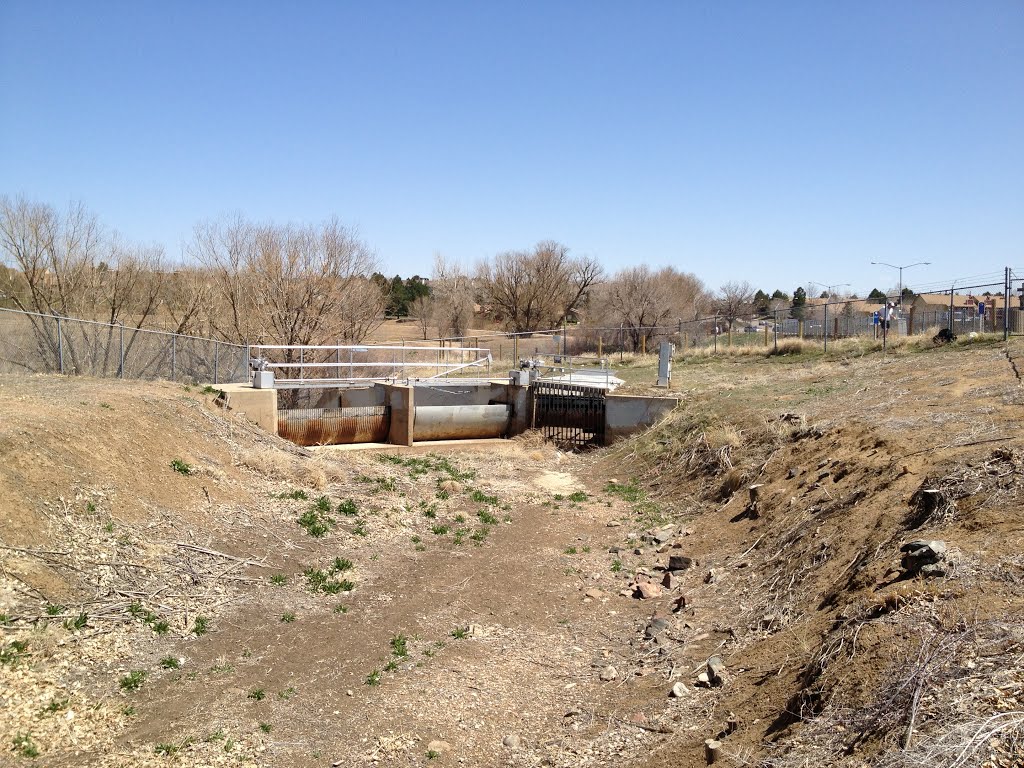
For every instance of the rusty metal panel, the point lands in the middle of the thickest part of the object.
(335, 426)
(570, 415)
(460, 422)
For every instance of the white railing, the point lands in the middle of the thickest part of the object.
(313, 365)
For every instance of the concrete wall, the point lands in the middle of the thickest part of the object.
(258, 405)
(627, 414)
(402, 401)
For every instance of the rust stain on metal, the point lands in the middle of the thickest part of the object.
(334, 426)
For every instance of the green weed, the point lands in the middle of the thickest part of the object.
(11, 654)
(288, 617)
(482, 498)
(256, 694)
(201, 626)
(133, 680)
(278, 579)
(24, 746)
(373, 678)
(165, 749)
(348, 508)
(170, 662)
(460, 633)
(181, 467)
(487, 518)
(400, 645)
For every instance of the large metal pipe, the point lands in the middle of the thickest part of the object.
(460, 422)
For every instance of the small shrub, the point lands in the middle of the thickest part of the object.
(133, 680)
(439, 530)
(286, 694)
(400, 645)
(571, 551)
(460, 633)
(256, 694)
(295, 495)
(340, 608)
(201, 626)
(487, 518)
(165, 749)
(373, 678)
(170, 662)
(482, 498)
(341, 565)
(391, 666)
(430, 512)
(579, 497)
(278, 579)
(479, 535)
(616, 566)
(288, 617)
(316, 522)
(265, 727)
(24, 746)
(360, 529)
(348, 508)
(181, 467)
(55, 705)
(54, 610)
(78, 622)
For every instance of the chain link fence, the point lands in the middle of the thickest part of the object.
(36, 343)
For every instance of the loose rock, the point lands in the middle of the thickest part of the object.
(609, 673)
(646, 591)
(679, 562)
(439, 746)
(678, 691)
(716, 670)
(511, 741)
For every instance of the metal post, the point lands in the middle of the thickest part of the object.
(120, 365)
(350, 374)
(174, 354)
(622, 342)
(248, 364)
(1006, 306)
(302, 361)
(716, 332)
(824, 328)
(951, 289)
(60, 346)
(216, 362)
(776, 329)
(515, 351)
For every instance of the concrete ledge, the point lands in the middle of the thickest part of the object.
(257, 405)
(628, 414)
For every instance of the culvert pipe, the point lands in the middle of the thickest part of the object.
(460, 422)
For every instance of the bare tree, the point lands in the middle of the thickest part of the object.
(641, 299)
(287, 284)
(452, 297)
(734, 300)
(538, 289)
(422, 310)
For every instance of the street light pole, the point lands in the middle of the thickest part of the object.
(901, 268)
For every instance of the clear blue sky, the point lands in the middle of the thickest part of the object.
(778, 142)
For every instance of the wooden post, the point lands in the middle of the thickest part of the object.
(643, 343)
(600, 346)
(766, 335)
(800, 327)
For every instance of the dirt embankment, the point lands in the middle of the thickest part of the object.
(165, 600)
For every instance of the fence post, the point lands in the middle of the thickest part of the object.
(174, 354)
(216, 362)
(60, 346)
(824, 327)
(120, 366)
(1006, 306)
(775, 325)
(716, 333)
(622, 342)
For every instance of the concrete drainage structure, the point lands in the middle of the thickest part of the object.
(571, 415)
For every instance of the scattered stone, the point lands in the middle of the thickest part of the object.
(670, 581)
(614, 550)
(680, 603)
(594, 594)
(613, 524)
(349, 692)
(627, 592)
(716, 670)
(922, 553)
(657, 625)
(933, 570)
(646, 591)
(711, 576)
(664, 535)
(679, 562)
(769, 621)
(703, 679)
(609, 673)
(678, 691)
(511, 741)
(638, 551)
(475, 630)
(438, 746)
(793, 472)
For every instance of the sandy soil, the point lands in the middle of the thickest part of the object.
(492, 588)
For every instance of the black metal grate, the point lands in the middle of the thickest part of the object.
(569, 415)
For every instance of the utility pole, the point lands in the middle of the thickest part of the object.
(901, 268)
